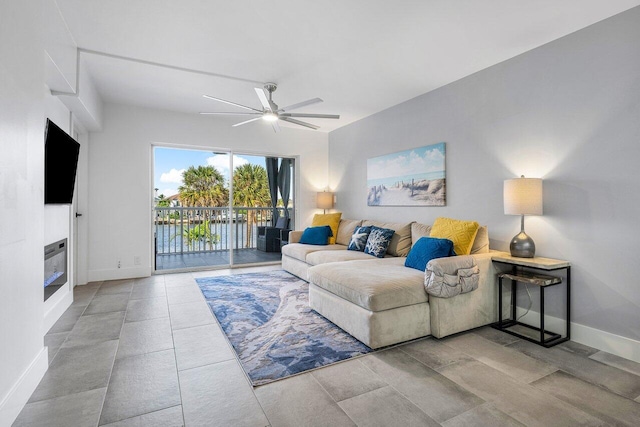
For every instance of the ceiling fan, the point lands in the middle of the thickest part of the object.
(271, 112)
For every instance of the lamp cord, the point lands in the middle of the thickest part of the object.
(526, 286)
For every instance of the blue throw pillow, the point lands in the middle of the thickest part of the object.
(426, 249)
(316, 235)
(359, 239)
(378, 241)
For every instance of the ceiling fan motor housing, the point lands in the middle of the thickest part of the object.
(272, 113)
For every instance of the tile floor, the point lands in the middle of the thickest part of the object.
(148, 352)
(219, 258)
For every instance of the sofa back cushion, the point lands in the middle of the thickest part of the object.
(419, 230)
(346, 229)
(481, 243)
(332, 220)
(401, 240)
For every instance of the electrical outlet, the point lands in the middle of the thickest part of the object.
(136, 260)
(119, 264)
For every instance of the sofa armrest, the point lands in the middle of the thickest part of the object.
(473, 309)
(294, 236)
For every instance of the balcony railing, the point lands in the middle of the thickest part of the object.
(180, 230)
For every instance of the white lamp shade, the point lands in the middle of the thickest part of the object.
(523, 196)
(324, 200)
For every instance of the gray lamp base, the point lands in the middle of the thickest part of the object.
(522, 246)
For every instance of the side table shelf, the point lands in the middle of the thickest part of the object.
(519, 274)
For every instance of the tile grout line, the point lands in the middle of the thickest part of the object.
(175, 354)
(437, 372)
(335, 401)
(69, 332)
(115, 355)
(395, 389)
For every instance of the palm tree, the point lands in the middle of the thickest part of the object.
(203, 186)
(251, 189)
(162, 202)
(200, 233)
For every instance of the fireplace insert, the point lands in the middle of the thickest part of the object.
(55, 267)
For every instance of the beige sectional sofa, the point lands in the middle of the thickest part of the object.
(379, 300)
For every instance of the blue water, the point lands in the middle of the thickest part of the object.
(167, 244)
(390, 182)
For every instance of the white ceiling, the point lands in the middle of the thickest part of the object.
(360, 56)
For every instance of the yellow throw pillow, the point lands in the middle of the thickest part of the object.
(461, 233)
(332, 220)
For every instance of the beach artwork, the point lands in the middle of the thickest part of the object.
(413, 177)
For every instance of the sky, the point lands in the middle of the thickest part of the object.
(410, 162)
(171, 162)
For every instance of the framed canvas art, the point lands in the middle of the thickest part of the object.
(413, 177)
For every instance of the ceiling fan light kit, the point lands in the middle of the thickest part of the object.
(270, 111)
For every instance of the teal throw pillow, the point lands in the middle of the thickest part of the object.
(378, 241)
(316, 235)
(426, 249)
(359, 238)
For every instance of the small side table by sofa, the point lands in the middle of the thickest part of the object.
(523, 271)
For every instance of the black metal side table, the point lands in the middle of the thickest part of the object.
(521, 272)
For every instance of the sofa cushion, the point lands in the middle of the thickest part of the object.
(461, 233)
(316, 235)
(426, 249)
(401, 240)
(300, 251)
(359, 238)
(324, 257)
(481, 242)
(346, 229)
(375, 285)
(419, 230)
(378, 241)
(332, 220)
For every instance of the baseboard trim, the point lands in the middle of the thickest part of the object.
(596, 338)
(54, 312)
(23, 388)
(118, 273)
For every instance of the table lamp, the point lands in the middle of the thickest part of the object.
(324, 200)
(523, 196)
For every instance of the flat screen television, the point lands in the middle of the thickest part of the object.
(60, 165)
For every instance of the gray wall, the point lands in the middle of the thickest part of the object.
(568, 112)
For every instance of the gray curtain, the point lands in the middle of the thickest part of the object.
(284, 184)
(272, 177)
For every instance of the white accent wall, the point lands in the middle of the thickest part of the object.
(36, 54)
(23, 359)
(120, 176)
(567, 112)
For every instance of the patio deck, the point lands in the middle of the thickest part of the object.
(212, 259)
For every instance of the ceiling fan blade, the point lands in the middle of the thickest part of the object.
(315, 116)
(298, 122)
(231, 103)
(246, 121)
(263, 99)
(235, 114)
(301, 104)
(275, 126)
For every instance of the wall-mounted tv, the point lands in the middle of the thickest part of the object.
(60, 165)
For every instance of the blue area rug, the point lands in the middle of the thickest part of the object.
(267, 319)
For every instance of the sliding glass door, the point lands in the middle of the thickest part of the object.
(218, 209)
